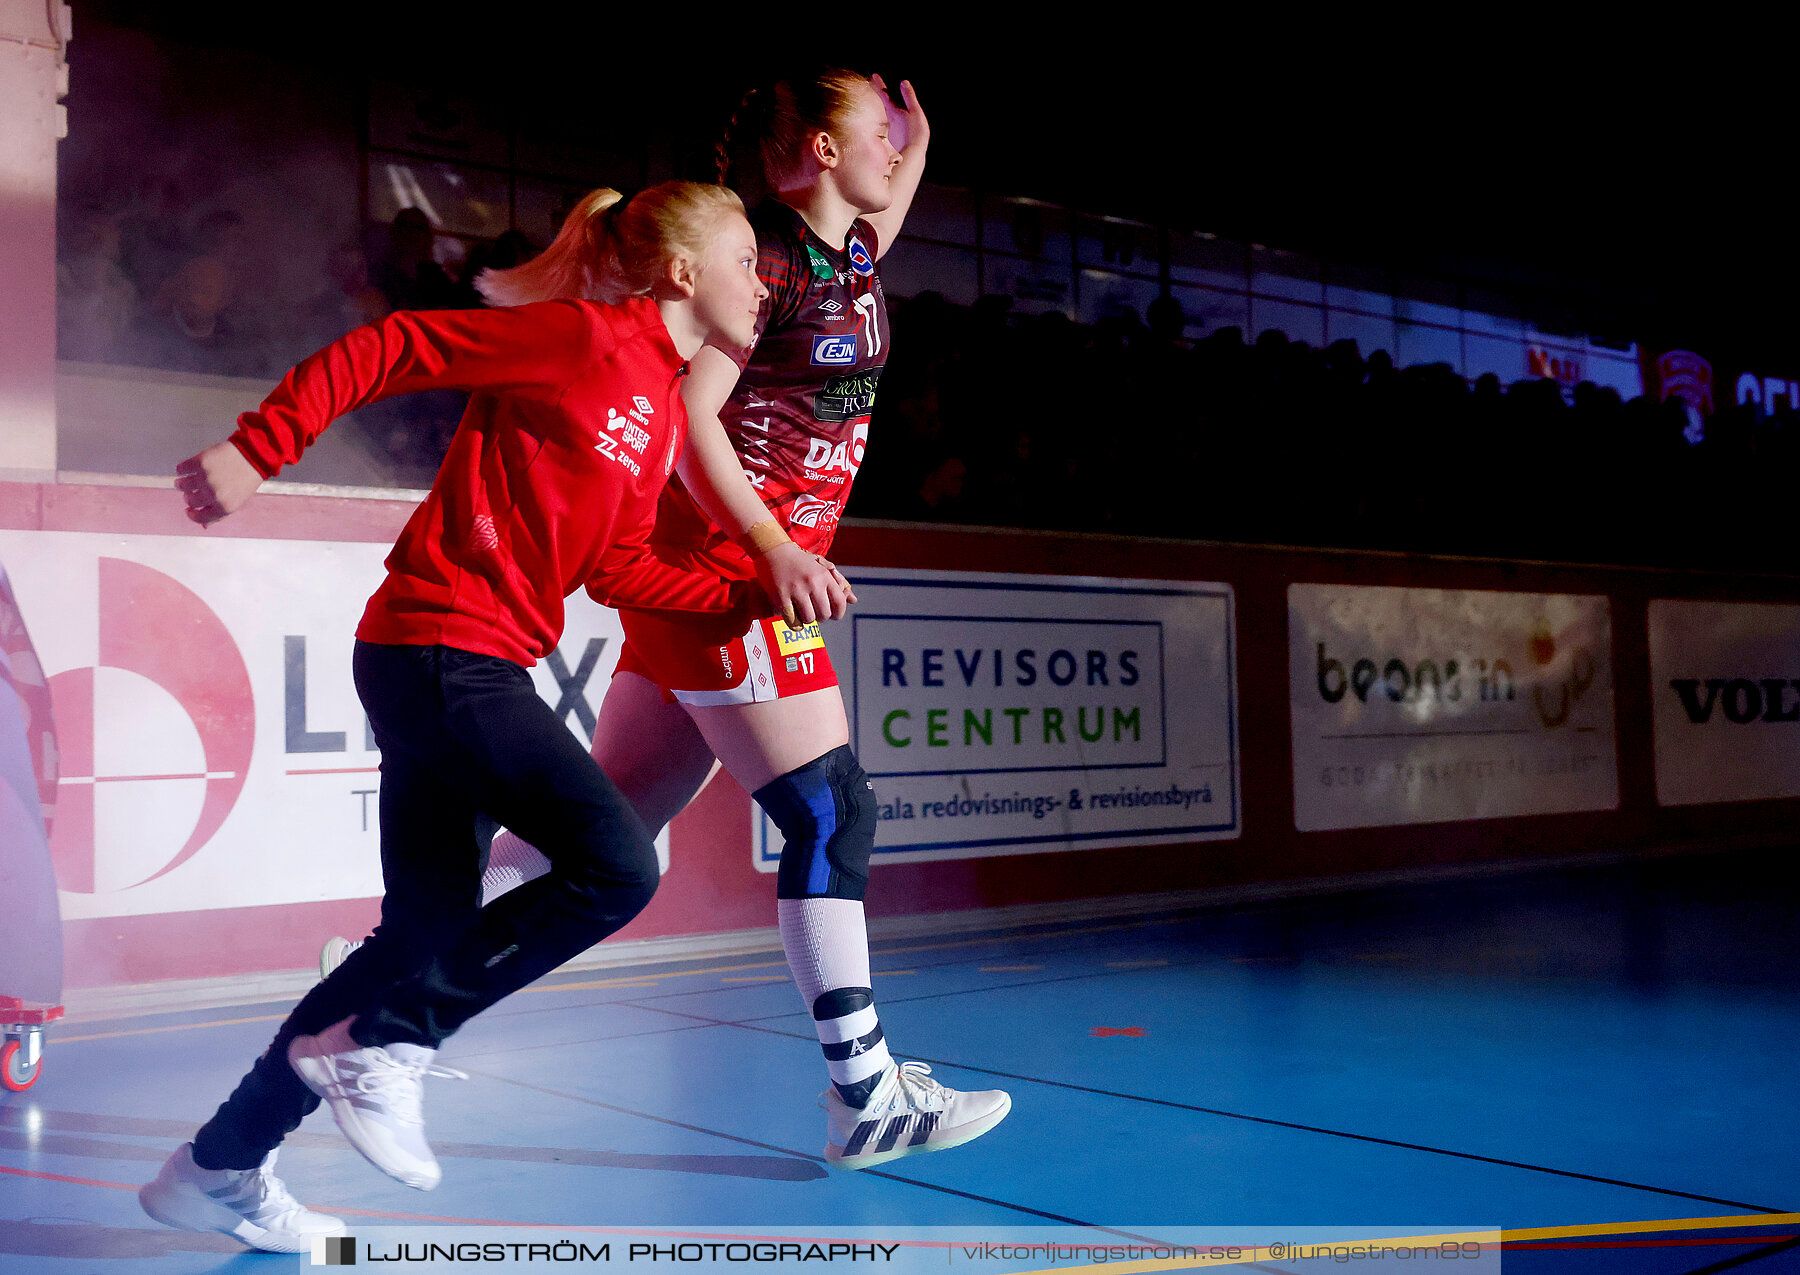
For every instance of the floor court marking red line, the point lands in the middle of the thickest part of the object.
(63, 1177)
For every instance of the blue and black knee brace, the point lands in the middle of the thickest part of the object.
(826, 813)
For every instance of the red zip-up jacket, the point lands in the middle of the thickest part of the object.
(550, 483)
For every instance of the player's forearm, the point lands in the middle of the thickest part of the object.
(713, 475)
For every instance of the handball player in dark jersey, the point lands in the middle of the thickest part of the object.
(691, 692)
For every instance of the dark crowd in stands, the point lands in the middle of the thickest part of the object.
(1128, 426)
(153, 284)
(149, 284)
(1132, 428)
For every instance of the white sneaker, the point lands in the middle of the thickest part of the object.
(333, 953)
(374, 1095)
(251, 1205)
(907, 1113)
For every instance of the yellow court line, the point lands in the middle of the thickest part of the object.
(1261, 1252)
(757, 978)
(1006, 969)
(60, 1041)
(633, 981)
(641, 980)
(1665, 1224)
(645, 980)
(655, 978)
(1042, 937)
(885, 951)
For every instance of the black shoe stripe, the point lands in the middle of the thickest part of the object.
(892, 1134)
(927, 1123)
(862, 1134)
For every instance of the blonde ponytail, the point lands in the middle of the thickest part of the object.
(612, 247)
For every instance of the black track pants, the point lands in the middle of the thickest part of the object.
(466, 743)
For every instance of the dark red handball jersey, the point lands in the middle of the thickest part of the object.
(550, 483)
(799, 417)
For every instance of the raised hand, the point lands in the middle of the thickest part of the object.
(906, 126)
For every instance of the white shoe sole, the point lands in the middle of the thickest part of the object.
(317, 1073)
(189, 1210)
(836, 1159)
(332, 955)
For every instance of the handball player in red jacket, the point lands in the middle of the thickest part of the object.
(550, 484)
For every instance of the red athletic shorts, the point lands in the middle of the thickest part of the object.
(713, 659)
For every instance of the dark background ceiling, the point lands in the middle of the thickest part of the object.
(1649, 171)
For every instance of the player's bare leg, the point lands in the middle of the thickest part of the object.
(651, 750)
(762, 741)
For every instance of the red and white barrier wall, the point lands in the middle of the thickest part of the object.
(1046, 717)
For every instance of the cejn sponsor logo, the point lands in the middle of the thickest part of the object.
(834, 350)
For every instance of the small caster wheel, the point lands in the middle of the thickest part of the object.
(15, 1073)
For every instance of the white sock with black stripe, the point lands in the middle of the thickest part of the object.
(827, 946)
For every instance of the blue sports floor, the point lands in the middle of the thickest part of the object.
(1578, 1055)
